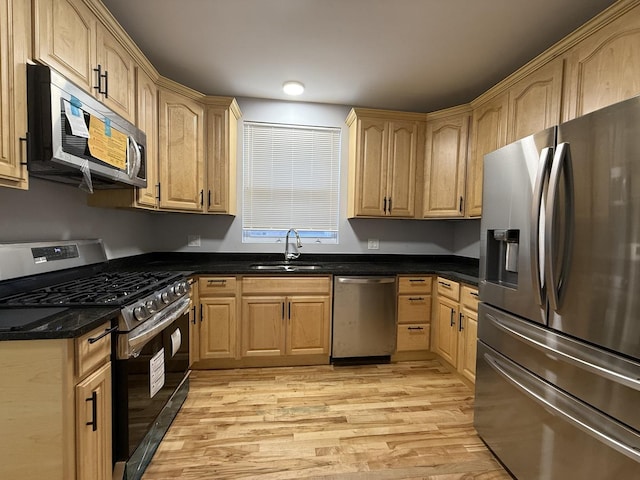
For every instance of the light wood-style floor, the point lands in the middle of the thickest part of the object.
(409, 420)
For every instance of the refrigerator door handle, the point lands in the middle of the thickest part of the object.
(555, 281)
(542, 179)
(580, 358)
(554, 400)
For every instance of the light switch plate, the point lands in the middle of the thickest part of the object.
(373, 244)
(193, 240)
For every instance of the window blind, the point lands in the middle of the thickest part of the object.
(290, 180)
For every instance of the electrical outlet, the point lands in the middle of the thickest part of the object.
(193, 240)
(373, 244)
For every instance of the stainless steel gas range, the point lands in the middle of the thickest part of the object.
(150, 352)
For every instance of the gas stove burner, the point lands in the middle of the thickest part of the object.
(111, 288)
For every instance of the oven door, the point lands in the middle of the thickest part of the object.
(152, 363)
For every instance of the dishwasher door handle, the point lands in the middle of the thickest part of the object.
(370, 280)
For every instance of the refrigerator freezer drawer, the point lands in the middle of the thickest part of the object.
(540, 432)
(599, 378)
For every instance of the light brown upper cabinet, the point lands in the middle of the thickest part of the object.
(488, 132)
(534, 101)
(603, 68)
(147, 121)
(180, 152)
(69, 38)
(15, 47)
(222, 115)
(445, 163)
(383, 156)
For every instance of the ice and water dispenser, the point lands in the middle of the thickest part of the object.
(502, 256)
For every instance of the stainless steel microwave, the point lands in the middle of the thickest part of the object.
(75, 139)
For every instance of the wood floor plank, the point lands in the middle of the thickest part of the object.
(374, 422)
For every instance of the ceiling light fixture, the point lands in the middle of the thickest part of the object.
(293, 88)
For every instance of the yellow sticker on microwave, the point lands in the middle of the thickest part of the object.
(111, 149)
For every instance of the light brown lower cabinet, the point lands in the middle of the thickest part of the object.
(456, 326)
(414, 316)
(286, 317)
(55, 399)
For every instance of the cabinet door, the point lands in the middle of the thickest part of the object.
(308, 325)
(14, 51)
(468, 336)
(221, 165)
(64, 38)
(447, 331)
(488, 132)
(93, 426)
(401, 169)
(119, 68)
(445, 166)
(603, 68)
(181, 152)
(147, 121)
(371, 175)
(534, 102)
(263, 326)
(218, 328)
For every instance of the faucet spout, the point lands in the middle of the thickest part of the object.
(288, 256)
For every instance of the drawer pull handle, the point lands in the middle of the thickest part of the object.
(460, 327)
(216, 280)
(102, 335)
(415, 328)
(445, 284)
(416, 299)
(453, 322)
(422, 280)
(475, 294)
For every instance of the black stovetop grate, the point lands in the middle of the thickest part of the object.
(110, 288)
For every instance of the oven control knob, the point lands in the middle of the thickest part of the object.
(180, 289)
(140, 313)
(165, 297)
(152, 306)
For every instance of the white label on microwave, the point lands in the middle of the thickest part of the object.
(156, 373)
(76, 120)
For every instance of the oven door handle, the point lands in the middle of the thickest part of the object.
(130, 345)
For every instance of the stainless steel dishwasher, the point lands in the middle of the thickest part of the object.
(364, 316)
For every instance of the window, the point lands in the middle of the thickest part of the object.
(290, 180)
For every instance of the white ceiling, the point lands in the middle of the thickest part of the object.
(415, 55)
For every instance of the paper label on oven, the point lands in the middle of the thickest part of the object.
(156, 373)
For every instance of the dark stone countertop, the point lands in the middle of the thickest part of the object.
(462, 269)
(74, 322)
(69, 323)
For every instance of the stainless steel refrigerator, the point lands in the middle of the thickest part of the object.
(558, 363)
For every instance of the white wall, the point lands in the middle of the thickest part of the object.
(223, 234)
(466, 238)
(51, 211)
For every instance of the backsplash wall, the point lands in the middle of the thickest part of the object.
(51, 211)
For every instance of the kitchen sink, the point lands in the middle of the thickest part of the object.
(285, 267)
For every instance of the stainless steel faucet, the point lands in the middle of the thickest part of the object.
(292, 255)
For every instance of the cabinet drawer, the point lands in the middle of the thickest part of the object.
(216, 286)
(414, 284)
(413, 337)
(90, 355)
(414, 308)
(285, 285)
(448, 288)
(469, 298)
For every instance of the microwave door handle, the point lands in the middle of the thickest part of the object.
(556, 280)
(542, 179)
(134, 167)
